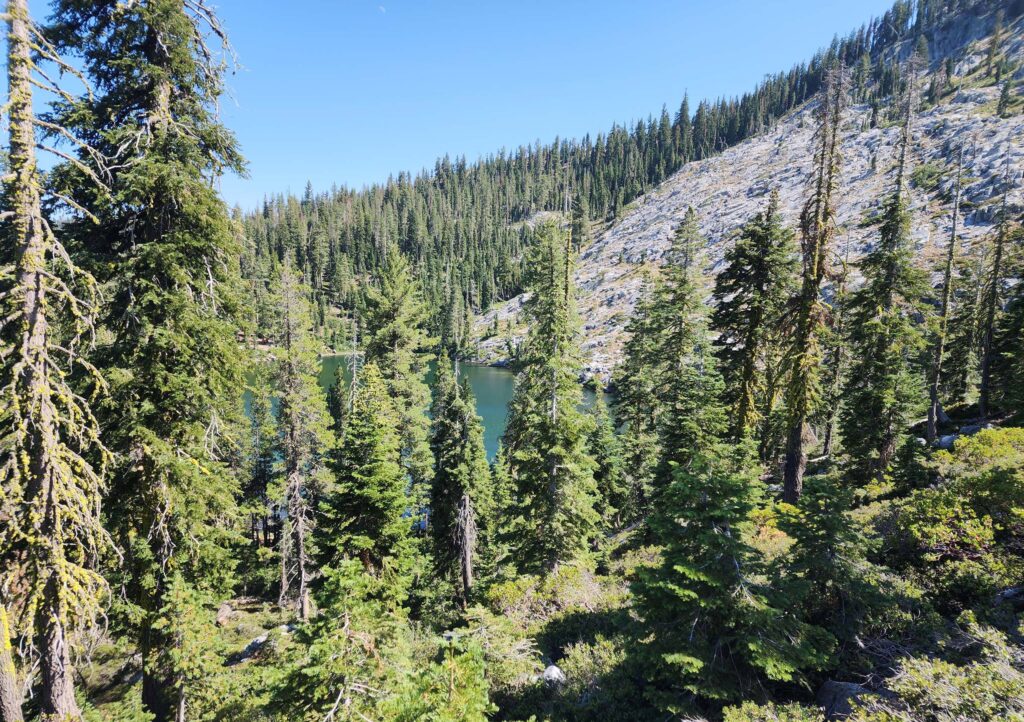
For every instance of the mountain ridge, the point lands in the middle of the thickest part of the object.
(727, 189)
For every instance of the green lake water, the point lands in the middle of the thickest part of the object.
(491, 386)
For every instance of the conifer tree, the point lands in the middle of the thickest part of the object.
(939, 343)
(365, 516)
(605, 449)
(711, 631)
(993, 299)
(884, 387)
(51, 458)
(751, 294)
(817, 230)
(166, 240)
(461, 505)
(689, 385)
(547, 433)
(304, 438)
(394, 323)
(637, 405)
(261, 472)
(961, 371)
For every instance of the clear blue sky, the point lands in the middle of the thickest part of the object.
(350, 91)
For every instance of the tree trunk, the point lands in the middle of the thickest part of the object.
(33, 383)
(934, 405)
(10, 692)
(58, 696)
(991, 307)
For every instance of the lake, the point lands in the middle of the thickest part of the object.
(491, 386)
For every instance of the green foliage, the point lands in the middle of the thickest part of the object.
(394, 316)
(960, 536)
(350, 657)
(983, 683)
(637, 405)
(751, 295)
(751, 712)
(462, 514)
(191, 659)
(365, 517)
(884, 388)
(169, 256)
(304, 437)
(546, 437)
(709, 626)
(605, 448)
(689, 385)
(453, 689)
(927, 176)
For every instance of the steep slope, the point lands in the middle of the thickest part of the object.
(728, 189)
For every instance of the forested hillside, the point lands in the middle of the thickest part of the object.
(804, 500)
(464, 225)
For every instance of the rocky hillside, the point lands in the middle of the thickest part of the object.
(728, 189)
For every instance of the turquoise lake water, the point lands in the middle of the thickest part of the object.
(491, 386)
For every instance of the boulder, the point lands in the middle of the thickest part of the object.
(973, 429)
(946, 442)
(224, 614)
(1014, 596)
(554, 676)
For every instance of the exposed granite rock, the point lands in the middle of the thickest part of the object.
(728, 189)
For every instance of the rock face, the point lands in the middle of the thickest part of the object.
(730, 188)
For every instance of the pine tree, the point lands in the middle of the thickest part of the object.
(751, 294)
(304, 439)
(546, 436)
(823, 572)
(51, 458)
(710, 628)
(993, 57)
(580, 222)
(884, 390)
(452, 689)
(365, 517)
(166, 241)
(961, 372)
(1005, 98)
(992, 300)
(935, 412)
(394, 325)
(1008, 338)
(345, 657)
(460, 499)
(817, 230)
(689, 385)
(261, 473)
(637, 405)
(605, 449)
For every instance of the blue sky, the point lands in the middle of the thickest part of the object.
(349, 91)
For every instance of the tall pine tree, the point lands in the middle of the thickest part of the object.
(51, 458)
(304, 437)
(366, 516)
(168, 245)
(751, 294)
(884, 387)
(461, 504)
(394, 322)
(546, 438)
